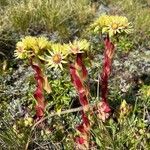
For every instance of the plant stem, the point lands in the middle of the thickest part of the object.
(79, 74)
(107, 63)
(61, 113)
(38, 94)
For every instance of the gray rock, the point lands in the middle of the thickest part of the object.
(102, 10)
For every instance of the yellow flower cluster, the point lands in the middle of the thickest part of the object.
(58, 52)
(112, 25)
(54, 54)
(31, 46)
(123, 110)
(77, 46)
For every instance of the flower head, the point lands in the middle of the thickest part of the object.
(20, 51)
(77, 46)
(103, 110)
(29, 42)
(42, 42)
(112, 25)
(31, 46)
(56, 57)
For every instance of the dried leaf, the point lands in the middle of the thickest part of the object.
(47, 86)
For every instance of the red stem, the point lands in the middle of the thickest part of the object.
(79, 62)
(107, 63)
(78, 74)
(38, 94)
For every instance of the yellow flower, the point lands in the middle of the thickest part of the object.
(77, 46)
(20, 51)
(60, 48)
(42, 42)
(112, 25)
(26, 47)
(123, 111)
(56, 57)
(29, 42)
(31, 46)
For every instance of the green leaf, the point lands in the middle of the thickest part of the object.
(98, 142)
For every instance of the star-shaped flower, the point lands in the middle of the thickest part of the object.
(56, 56)
(77, 46)
(112, 25)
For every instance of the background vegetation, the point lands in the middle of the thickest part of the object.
(63, 21)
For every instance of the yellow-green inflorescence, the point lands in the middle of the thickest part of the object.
(56, 56)
(58, 53)
(77, 46)
(111, 25)
(53, 54)
(31, 46)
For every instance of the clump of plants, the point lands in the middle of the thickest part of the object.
(41, 54)
(138, 12)
(112, 27)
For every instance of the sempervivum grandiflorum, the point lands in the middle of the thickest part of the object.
(31, 48)
(79, 75)
(111, 26)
